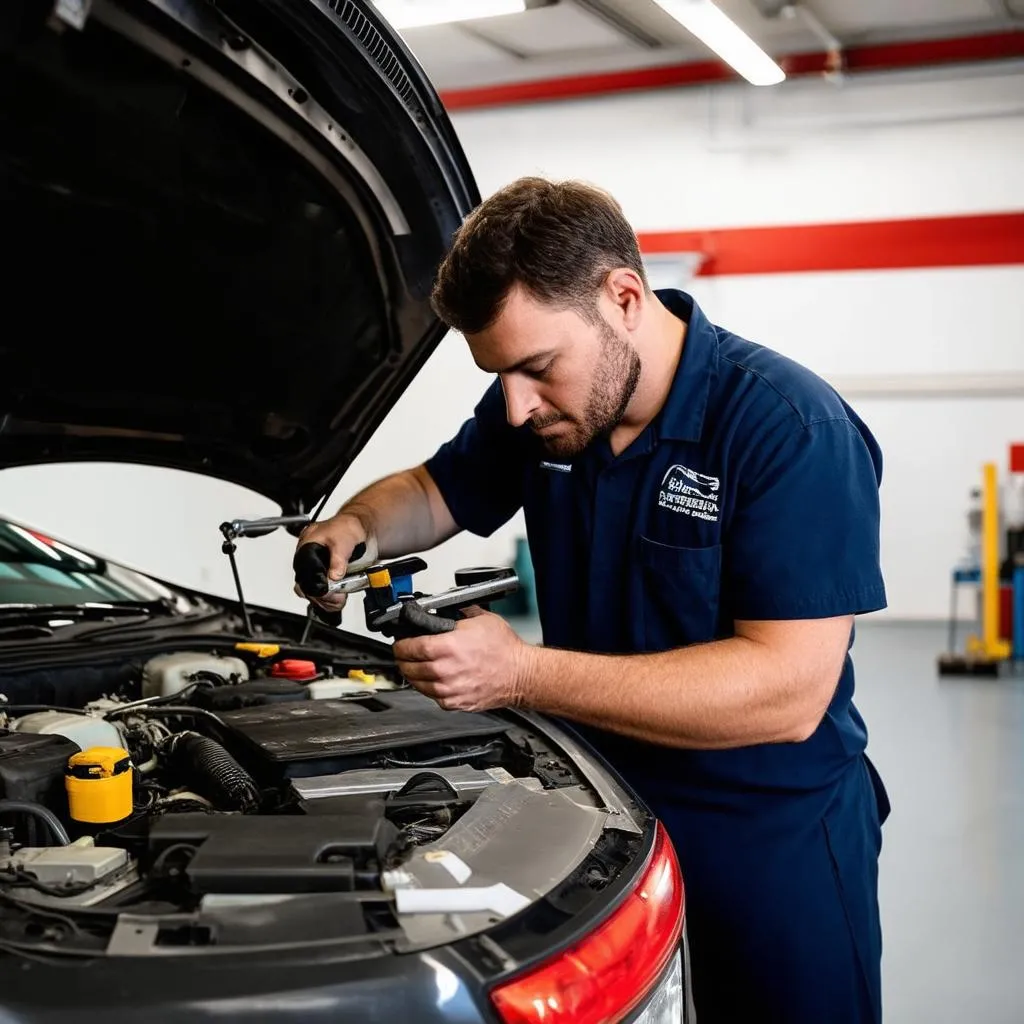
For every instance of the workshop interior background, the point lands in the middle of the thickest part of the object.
(917, 318)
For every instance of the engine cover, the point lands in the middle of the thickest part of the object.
(255, 693)
(315, 731)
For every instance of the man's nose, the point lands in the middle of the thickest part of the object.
(521, 402)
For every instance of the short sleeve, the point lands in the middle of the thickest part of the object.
(479, 472)
(803, 541)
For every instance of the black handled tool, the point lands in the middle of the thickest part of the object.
(311, 564)
(391, 605)
(405, 615)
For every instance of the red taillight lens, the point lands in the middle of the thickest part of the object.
(609, 972)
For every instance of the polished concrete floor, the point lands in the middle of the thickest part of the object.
(951, 751)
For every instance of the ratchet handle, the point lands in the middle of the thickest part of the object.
(415, 621)
(311, 564)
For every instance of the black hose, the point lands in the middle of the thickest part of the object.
(207, 768)
(204, 675)
(427, 780)
(23, 878)
(41, 812)
(176, 711)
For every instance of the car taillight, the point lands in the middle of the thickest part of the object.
(613, 969)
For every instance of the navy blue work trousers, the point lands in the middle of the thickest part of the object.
(782, 901)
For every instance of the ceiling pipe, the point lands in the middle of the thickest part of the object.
(897, 56)
(833, 47)
(608, 12)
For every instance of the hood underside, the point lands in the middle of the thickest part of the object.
(222, 227)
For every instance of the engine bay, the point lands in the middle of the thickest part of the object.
(212, 781)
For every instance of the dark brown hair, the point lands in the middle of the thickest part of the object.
(559, 240)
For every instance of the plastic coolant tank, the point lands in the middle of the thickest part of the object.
(170, 673)
(357, 682)
(83, 730)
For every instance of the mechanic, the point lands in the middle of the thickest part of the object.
(703, 520)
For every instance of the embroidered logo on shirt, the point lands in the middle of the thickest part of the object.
(558, 467)
(691, 493)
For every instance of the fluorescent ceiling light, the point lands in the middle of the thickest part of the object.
(417, 13)
(720, 33)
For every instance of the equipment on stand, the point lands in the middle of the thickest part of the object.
(1001, 583)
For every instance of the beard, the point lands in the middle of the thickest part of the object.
(615, 381)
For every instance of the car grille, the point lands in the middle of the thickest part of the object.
(379, 50)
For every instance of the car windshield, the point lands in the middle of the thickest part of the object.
(37, 570)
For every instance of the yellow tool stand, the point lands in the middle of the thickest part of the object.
(983, 655)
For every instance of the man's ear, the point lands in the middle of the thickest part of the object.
(624, 290)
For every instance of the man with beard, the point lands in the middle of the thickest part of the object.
(703, 520)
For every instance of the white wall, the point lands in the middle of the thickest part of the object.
(880, 147)
(895, 146)
(948, 321)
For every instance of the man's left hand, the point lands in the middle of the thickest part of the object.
(479, 665)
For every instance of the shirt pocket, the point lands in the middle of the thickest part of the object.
(679, 593)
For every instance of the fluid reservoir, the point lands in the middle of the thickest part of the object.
(99, 785)
(358, 681)
(297, 669)
(85, 730)
(167, 674)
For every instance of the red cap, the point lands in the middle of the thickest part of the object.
(1017, 458)
(294, 668)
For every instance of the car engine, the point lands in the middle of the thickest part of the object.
(202, 776)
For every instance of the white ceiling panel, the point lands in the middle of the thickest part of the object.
(874, 15)
(568, 39)
(563, 28)
(439, 46)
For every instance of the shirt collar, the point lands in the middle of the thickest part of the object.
(682, 416)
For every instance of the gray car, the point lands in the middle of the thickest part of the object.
(222, 221)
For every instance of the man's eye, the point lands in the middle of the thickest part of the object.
(541, 372)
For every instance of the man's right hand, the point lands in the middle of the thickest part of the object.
(399, 514)
(325, 553)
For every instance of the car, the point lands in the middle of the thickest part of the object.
(223, 220)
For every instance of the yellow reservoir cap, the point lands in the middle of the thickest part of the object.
(260, 650)
(359, 676)
(99, 785)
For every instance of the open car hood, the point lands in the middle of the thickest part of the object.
(222, 223)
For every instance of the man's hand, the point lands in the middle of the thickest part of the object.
(340, 534)
(481, 664)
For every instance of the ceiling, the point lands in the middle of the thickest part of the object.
(569, 37)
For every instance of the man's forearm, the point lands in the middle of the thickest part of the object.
(729, 693)
(404, 512)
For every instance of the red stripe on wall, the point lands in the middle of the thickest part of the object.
(961, 241)
(877, 57)
(577, 86)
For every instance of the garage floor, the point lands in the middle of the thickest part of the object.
(951, 752)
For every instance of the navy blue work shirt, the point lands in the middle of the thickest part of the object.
(753, 494)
